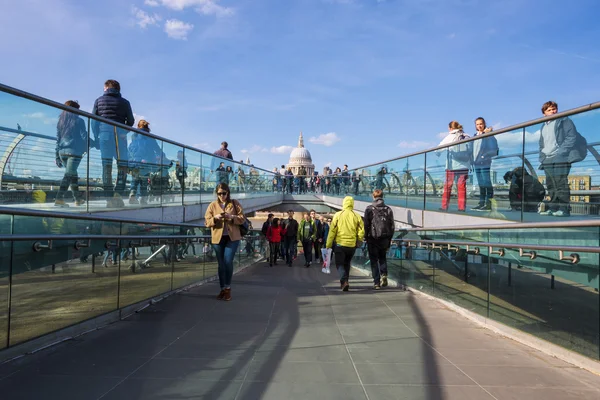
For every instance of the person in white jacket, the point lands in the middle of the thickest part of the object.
(458, 162)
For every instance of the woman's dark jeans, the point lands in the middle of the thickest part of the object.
(225, 252)
(71, 163)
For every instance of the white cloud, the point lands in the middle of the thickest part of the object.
(326, 139)
(254, 149)
(177, 29)
(143, 19)
(151, 3)
(416, 144)
(203, 146)
(47, 120)
(137, 119)
(205, 7)
(282, 149)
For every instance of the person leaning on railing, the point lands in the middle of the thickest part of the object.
(71, 145)
(560, 146)
(458, 163)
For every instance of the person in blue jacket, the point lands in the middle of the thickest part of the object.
(71, 145)
(484, 150)
(112, 141)
(144, 158)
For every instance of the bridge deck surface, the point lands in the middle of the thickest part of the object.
(290, 333)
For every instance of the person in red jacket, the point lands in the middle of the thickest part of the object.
(274, 234)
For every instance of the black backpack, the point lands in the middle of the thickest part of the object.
(382, 223)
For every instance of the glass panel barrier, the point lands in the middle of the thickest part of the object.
(172, 194)
(5, 263)
(29, 166)
(531, 290)
(109, 166)
(436, 172)
(552, 299)
(190, 268)
(505, 175)
(147, 272)
(190, 169)
(57, 286)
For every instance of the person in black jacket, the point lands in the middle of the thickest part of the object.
(290, 240)
(379, 231)
(318, 236)
(112, 141)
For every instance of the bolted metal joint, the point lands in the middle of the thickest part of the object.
(79, 244)
(39, 246)
(531, 254)
(474, 250)
(574, 257)
(500, 252)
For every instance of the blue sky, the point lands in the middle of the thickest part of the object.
(365, 80)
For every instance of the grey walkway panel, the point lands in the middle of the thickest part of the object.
(290, 333)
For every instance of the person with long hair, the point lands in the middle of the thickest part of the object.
(224, 217)
(458, 162)
(71, 145)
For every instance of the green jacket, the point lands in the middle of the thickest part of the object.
(347, 227)
(313, 236)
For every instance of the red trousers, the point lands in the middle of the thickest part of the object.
(461, 176)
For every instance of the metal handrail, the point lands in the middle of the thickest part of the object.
(20, 238)
(51, 103)
(86, 217)
(573, 111)
(584, 249)
(517, 225)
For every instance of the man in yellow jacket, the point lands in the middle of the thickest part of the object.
(347, 232)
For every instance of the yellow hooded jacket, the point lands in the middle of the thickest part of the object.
(347, 227)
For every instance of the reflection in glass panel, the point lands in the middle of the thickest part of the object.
(192, 176)
(190, 267)
(74, 286)
(109, 165)
(461, 277)
(436, 173)
(32, 171)
(552, 299)
(413, 180)
(173, 171)
(146, 266)
(5, 261)
(394, 182)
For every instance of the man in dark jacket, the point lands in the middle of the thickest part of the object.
(318, 243)
(112, 141)
(379, 230)
(558, 139)
(290, 239)
(224, 152)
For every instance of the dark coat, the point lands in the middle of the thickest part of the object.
(566, 138)
(114, 107)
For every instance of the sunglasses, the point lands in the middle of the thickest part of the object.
(222, 194)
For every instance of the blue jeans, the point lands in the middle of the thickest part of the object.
(110, 149)
(484, 180)
(225, 252)
(71, 163)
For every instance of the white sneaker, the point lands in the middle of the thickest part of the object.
(323, 270)
(327, 270)
(547, 212)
